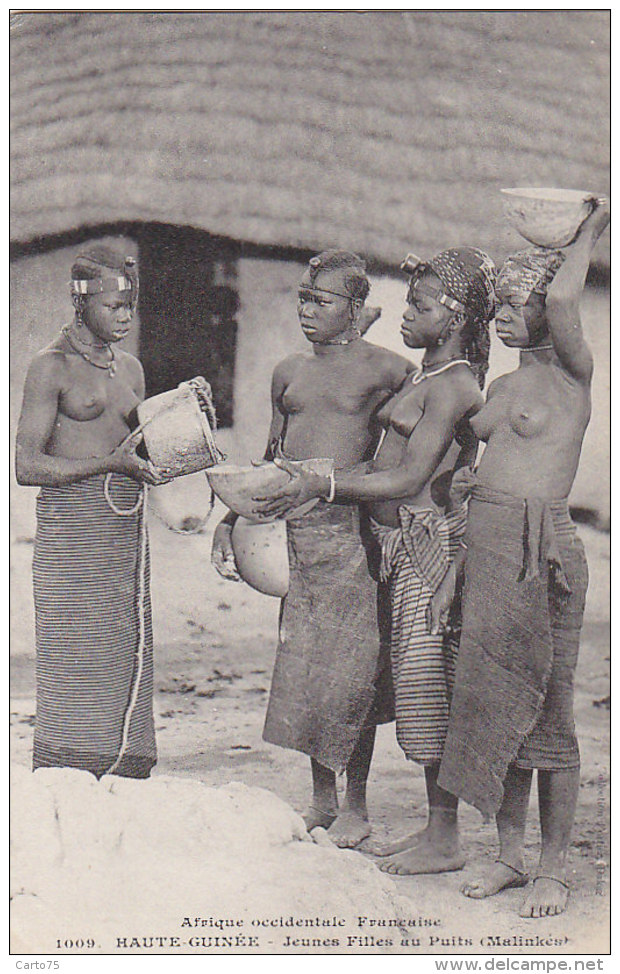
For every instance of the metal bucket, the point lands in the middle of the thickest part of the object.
(178, 428)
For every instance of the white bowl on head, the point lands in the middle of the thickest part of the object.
(238, 486)
(545, 216)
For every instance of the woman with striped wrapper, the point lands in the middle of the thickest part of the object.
(94, 648)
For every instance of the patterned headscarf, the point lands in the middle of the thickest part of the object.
(468, 275)
(529, 271)
(468, 278)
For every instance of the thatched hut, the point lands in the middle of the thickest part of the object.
(226, 147)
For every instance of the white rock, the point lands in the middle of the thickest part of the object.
(130, 852)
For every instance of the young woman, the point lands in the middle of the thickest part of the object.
(91, 573)
(425, 435)
(330, 685)
(526, 577)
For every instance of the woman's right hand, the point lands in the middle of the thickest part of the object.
(125, 460)
(222, 553)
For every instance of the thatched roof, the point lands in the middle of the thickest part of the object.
(375, 131)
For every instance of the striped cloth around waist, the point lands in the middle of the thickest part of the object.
(425, 534)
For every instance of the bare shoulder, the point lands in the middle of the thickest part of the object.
(383, 355)
(499, 383)
(467, 385)
(289, 365)
(581, 370)
(131, 362)
(48, 366)
(454, 391)
(132, 369)
(388, 365)
(579, 382)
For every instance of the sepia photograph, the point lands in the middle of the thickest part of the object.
(309, 484)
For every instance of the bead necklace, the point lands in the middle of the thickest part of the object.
(109, 367)
(538, 348)
(342, 341)
(82, 341)
(422, 374)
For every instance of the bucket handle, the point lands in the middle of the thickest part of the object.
(195, 530)
(213, 450)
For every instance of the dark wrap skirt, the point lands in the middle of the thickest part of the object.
(523, 601)
(87, 589)
(332, 671)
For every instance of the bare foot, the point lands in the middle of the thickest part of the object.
(349, 829)
(388, 847)
(314, 817)
(494, 879)
(547, 898)
(425, 857)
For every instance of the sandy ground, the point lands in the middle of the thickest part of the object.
(214, 643)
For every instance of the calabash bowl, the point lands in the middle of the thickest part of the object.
(238, 486)
(546, 216)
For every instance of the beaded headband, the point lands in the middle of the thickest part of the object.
(101, 285)
(104, 285)
(415, 267)
(323, 290)
(439, 296)
(468, 277)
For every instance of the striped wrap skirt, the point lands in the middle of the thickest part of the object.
(94, 639)
(415, 558)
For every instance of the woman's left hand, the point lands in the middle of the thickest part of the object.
(598, 219)
(463, 482)
(302, 487)
(439, 607)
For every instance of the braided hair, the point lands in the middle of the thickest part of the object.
(476, 347)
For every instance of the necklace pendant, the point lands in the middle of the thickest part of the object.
(112, 368)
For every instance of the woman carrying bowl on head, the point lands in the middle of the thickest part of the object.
(425, 435)
(94, 663)
(525, 577)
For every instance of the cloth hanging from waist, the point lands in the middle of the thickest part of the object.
(415, 557)
(514, 567)
(425, 535)
(540, 537)
(332, 674)
(85, 568)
